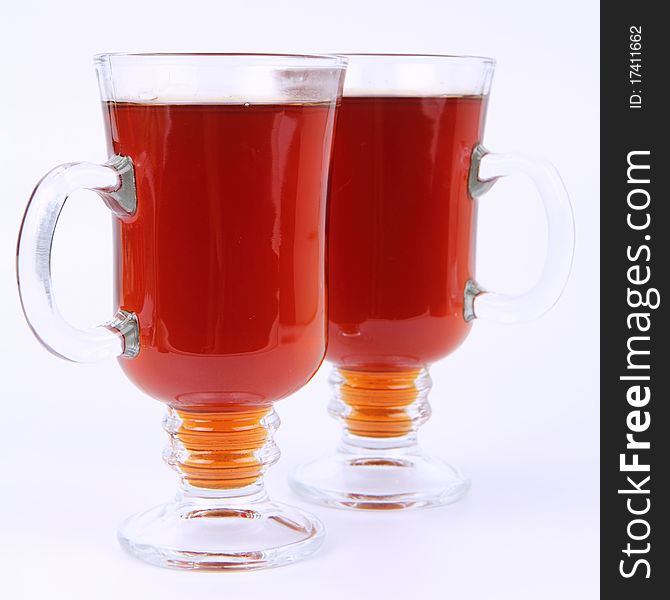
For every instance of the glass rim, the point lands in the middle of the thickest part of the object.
(484, 60)
(331, 60)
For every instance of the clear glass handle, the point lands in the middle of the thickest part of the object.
(486, 168)
(115, 183)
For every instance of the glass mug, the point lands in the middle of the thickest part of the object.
(408, 170)
(217, 181)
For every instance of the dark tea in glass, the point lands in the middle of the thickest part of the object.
(223, 259)
(217, 179)
(402, 294)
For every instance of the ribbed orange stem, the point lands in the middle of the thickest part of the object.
(378, 401)
(219, 450)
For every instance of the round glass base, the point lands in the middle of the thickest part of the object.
(215, 534)
(380, 480)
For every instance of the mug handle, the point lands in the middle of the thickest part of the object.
(485, 169)
(114, 181)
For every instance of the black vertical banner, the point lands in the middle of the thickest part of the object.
(635, 267)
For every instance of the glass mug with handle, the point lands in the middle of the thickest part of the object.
(217, 182)
(408, 170)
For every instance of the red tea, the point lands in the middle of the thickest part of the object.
(401, 229)
(223, 261)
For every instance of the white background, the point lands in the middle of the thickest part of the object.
(516, 407)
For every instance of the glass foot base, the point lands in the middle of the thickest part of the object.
(212, 534)
(379, 481)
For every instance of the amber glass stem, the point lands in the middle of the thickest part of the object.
(221, 452)
(380, 408)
